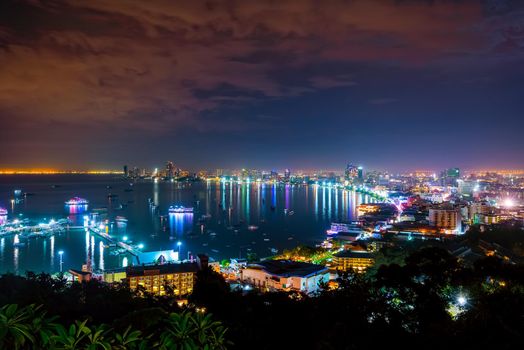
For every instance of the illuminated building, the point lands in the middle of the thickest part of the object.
(355, 260)
(287, 174)
(170, 170)
(360, 174)
(476, 210)
(446, 218)
(467, 187)
(351, 173)
(285, 275)
(115, 275)
(155, 278)
(449, 177)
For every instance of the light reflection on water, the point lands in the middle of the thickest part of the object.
(232, 207)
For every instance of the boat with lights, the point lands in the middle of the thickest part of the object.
(180, 209)
(77, 201)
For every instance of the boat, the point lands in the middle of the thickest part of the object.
(252, 227)
(266, 239)
(180, 209)
(291, 212)
(77, 201)
(121, 221)
(212, 233)
(205, 216)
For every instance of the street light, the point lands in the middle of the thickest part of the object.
(61, 254)
(461, 300)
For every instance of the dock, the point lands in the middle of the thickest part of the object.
(107, 237)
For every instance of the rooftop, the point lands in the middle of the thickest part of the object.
(353, 254)
(163, 269)
(288, 268)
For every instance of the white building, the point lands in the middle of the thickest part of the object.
(285, 275)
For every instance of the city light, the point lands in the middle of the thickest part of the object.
(461, 300)
(124, 238)
(509, 203)
(141, 246)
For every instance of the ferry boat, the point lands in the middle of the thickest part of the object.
(77, 201)
(180, 209)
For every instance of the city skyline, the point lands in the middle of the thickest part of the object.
(389, 85)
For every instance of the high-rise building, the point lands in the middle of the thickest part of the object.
(170, 170)
(126, 173)
(449, 177)
(287, 174)
(351, 173)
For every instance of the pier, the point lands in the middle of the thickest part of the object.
(107, 237)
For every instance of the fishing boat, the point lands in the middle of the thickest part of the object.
(180, 209)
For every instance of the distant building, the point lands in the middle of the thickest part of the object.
(155, 278)
(449, 177)
(446, 218)
(126, 172)
(285, 275)
(351, 173)
(287, 174)
(360, 173)
(170, 170)
(355, 260)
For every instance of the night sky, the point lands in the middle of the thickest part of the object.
(267, 84)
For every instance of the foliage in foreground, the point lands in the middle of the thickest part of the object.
(409, 304)
(29, 327)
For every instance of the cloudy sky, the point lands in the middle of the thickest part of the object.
(271, 84)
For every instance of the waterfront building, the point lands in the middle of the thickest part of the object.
(446, 218)
(155, 279)
(115, 275)
(285, 275)
(356, 260)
